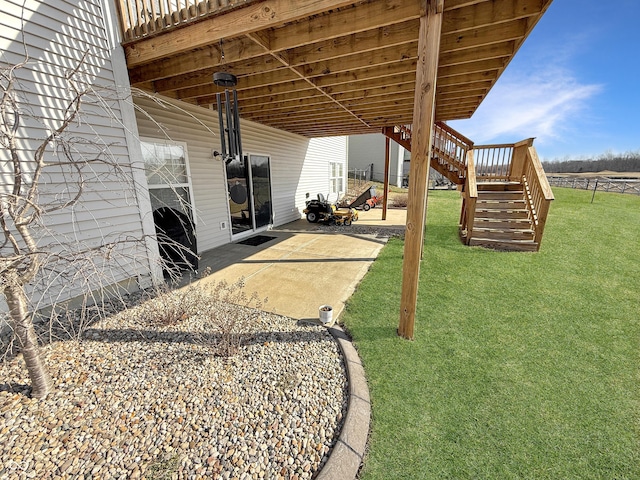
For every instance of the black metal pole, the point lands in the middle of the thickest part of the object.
(221, 122)
(231, 138)
(236, 125)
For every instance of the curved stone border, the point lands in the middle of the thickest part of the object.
(348, 452)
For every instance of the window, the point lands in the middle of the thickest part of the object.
(167, 176)
(168, 180)
(336, 178)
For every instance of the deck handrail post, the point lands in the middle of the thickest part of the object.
(471, 194)
(520, 151)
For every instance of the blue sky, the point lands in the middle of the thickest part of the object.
(574, 84)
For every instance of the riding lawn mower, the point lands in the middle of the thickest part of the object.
(320, 210)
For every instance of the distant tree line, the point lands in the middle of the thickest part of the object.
(623, 162)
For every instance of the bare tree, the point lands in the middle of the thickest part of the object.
(32, 257)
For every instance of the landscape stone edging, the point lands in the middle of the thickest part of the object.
(348, 452)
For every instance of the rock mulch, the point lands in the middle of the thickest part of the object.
(355, 229)
(134, 400)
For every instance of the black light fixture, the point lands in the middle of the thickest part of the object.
(229, 121)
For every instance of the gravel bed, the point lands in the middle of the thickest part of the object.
(135, 400)
(355, 229)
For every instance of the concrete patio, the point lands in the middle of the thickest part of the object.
(305, 265)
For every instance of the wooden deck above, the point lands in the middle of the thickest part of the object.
(322, 67)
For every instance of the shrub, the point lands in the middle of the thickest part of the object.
(232, 314)
(223, 313)
(400, 200)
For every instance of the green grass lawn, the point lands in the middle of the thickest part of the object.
(524, 365)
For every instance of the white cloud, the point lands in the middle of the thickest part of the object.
(542, 105)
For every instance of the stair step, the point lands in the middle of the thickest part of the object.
(501, 195)
(509, 245)
(501, 214)
(501, 205)
(503, 224)
(499, 186)
(503, 234)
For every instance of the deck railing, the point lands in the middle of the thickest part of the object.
(141, 18)
(493, 162)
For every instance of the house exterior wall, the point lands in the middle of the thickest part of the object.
(58, 37)
(365, 150)
(61, 35)
(315, 168)
(298, 165)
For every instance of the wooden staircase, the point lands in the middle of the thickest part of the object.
(501, 219)
(505, 192)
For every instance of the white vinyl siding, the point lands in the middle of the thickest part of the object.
(58, 36)
(315, 172)
(298, 165)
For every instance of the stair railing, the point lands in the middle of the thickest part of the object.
(469, 199)
(449, 150)
(537, 192)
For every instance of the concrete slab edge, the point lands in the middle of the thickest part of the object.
(348, 452)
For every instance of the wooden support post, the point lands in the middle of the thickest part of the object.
(385, 192)
(421, 141)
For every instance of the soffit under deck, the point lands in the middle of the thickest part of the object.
(321, 68)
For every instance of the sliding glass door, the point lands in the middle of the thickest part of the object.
(249, 185)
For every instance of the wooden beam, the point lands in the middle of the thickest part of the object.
(314, 39)
(298, 52)
(454, 89)
(298, 98)
(462, 94)
(484, 52)
(265, 80)
(423, 119)
(286, 122)
(396, 34)
(385, 191)
(204, 76)
(265, 42)
(235, 50)
(383, 121)
(482, 36)
(390, 70)
(480, 66)
(381, 100)
(277, 67)
(286, 106)
(295, 86)
(378, 82)
(254, 17)
(347, 63)
(501, 11)
(407, 88)
(366, 16)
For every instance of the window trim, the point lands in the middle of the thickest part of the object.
(332, 178)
